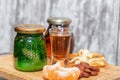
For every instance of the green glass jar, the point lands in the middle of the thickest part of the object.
(29, 47)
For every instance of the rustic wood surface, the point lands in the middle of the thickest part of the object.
(95, 22)
(7, 71)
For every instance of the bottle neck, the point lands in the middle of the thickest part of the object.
(54, 25)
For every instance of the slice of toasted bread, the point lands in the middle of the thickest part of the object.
(98, 63)
(96, 55)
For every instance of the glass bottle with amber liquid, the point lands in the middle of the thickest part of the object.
(56, 22)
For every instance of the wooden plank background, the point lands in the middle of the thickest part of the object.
(95, 23)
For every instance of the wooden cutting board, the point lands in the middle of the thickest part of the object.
(8, 71)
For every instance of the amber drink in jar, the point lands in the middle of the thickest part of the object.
(57, 22)
(60, 39)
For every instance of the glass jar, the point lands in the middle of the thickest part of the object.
(29, 47)
(57, 22)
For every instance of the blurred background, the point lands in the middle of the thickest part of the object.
(95, 23)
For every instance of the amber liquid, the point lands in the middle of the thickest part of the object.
(60, 46)
(48, 44)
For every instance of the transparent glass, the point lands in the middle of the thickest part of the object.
(60, 38)
(48, 44)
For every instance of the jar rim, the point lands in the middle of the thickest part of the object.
(59, 20)
(29, 28)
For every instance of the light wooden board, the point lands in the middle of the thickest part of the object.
(94, 22)
(8, 71)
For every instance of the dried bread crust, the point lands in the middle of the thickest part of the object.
(94, 59)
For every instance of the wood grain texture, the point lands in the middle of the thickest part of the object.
(8, 71)
(11, 73)
(94, 22)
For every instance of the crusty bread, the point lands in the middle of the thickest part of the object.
(96, 55)
(98, 63)
(94, 59)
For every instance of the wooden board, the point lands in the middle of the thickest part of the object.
(8, 71)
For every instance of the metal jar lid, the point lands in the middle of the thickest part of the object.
(59, 20)
(29, 28)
